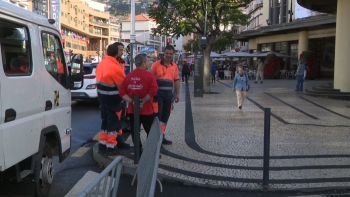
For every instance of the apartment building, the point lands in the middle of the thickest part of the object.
(143, 32)
(20, 3)
(85, 27)
(255, 10)
(115, 29)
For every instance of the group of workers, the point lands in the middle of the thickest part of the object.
(153, 85)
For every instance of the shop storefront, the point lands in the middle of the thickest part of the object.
(313, 33)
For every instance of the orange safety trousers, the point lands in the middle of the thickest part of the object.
(111, 126)
(162, 108)
(162, 127)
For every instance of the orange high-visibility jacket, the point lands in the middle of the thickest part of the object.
(165, 75)
(109, 76)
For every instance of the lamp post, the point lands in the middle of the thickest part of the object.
(132, 34)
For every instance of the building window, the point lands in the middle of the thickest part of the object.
(40, 7)
(278, 11)
(62, 13)
(266, 47)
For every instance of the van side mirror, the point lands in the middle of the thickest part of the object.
(77, 72)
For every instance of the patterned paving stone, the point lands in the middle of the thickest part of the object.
(216, 144)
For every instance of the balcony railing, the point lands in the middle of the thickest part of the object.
(256, 6)
(99, 23)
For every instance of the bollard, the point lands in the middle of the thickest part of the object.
(266, 165)
(136, 129)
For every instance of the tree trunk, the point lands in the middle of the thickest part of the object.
(206, 78)
(207, 65)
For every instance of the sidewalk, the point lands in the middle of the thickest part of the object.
(216, 145)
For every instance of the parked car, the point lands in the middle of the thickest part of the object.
(88, 91)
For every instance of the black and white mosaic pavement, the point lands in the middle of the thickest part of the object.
(216, 144)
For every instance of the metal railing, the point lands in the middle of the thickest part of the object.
(147, 168)
(106, 184)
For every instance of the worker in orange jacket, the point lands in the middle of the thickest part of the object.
(109, 76)
(167, 76)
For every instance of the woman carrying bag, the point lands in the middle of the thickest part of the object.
(241, 86)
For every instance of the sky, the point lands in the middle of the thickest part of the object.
(301, 12)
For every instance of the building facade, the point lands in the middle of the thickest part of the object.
(282, 32)
(342, 27)
(143, 31)
(115, 29)
(254, 9)
(20, 3)
(85, 27)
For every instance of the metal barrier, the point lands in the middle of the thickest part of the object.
(266, 163)
(109, 176)
(147, 168)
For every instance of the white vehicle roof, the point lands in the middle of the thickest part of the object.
(17, 12)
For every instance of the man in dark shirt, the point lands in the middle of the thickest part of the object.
(185, 72)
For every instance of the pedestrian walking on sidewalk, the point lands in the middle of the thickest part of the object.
(109, 76)
(259, 72)
(167, 75)
(185, 72)
(241, 86)
(142, 83)
(300, 75)
(213, 72)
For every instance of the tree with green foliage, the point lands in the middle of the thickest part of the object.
(183, 17)
(192, 45)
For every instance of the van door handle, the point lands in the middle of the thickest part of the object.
(48, 105)
(10, 115)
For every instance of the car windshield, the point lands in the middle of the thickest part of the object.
(88, 68)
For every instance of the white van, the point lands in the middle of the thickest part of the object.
(35, 98)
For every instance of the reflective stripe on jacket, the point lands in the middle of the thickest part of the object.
(109, 76)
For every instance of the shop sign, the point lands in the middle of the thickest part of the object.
(322, 33)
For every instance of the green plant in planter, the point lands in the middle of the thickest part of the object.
(271, 66)
(313, 71)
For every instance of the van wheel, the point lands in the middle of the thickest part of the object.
(46, 173)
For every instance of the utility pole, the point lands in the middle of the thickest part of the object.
(132, 35)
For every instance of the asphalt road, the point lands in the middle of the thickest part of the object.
(85, 123)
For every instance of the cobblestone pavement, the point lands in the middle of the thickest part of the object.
(217, 145)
